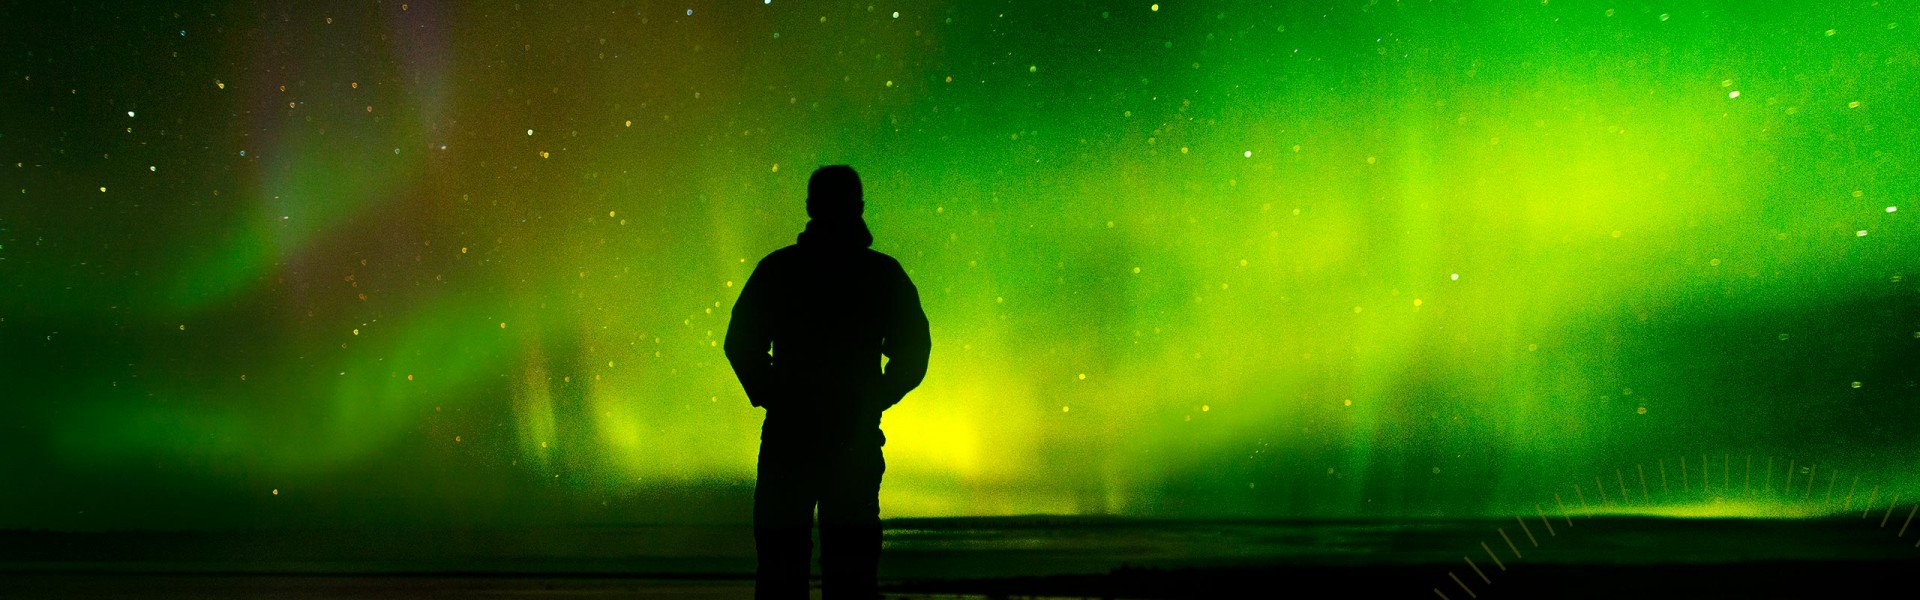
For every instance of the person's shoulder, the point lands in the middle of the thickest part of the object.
(776, 262)
(781, 255)
(881, 259)
(885, 264)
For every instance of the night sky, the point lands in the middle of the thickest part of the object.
(470, 263)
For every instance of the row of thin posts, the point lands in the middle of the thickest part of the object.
(1686, 479)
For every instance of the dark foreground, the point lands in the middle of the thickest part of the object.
(1743, 580)
(1636, 558)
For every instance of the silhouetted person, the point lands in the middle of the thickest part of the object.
(829, 307)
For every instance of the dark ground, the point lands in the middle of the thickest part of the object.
(1634, 558)
(1743, 580)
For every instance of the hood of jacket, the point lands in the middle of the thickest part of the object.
(840, 232)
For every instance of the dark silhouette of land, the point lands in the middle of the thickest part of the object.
(829, 308)
(994, 557)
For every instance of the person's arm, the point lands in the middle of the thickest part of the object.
(907, 342)
(750, 335)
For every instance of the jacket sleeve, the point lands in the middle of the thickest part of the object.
(750, 335)
(907, 342)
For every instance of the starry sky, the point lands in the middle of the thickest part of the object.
(277, 264)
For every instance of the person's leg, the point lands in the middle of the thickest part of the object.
(783, 499)
(850, 525)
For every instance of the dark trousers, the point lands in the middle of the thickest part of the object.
(844, 481)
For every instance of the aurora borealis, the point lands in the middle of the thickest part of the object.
(470, 263)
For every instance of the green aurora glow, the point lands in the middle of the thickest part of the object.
(470, 262)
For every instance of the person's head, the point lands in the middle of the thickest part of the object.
(834, 192)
